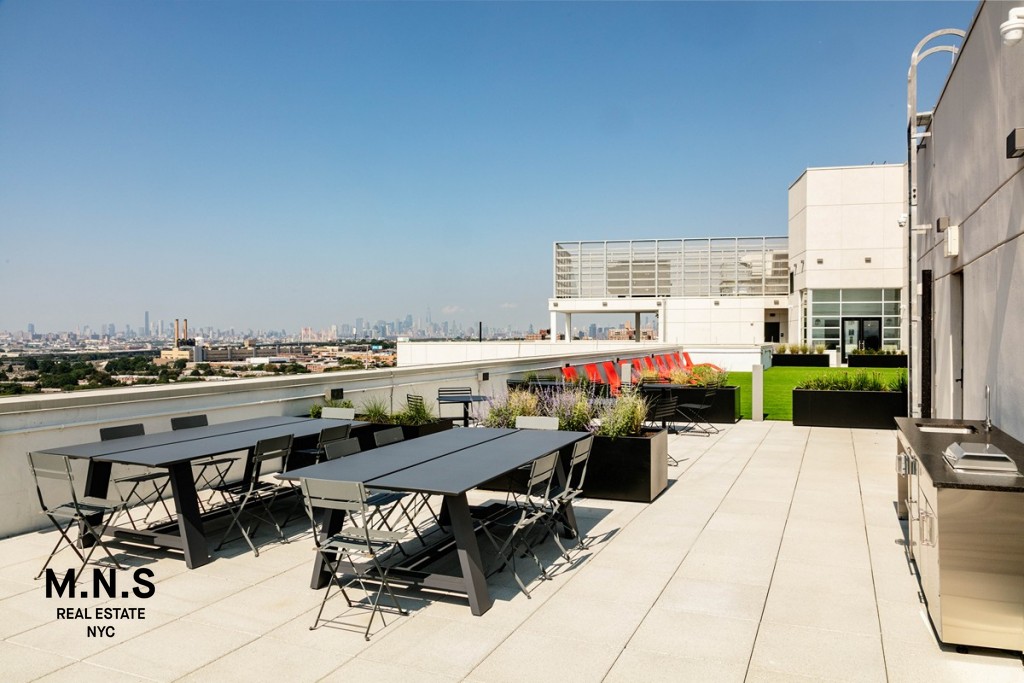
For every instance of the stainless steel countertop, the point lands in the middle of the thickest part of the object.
(929, 447)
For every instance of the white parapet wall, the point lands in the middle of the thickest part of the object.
(432, 353)
(732, 358)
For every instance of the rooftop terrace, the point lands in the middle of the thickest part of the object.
(775, 555)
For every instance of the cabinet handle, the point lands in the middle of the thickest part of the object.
(927, 529)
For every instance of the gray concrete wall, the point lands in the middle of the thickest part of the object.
(964, 174)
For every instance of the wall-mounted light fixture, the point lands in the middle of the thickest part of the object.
(820, 261)
(1015, 144)
(867, 259)
(941, 223)
(952, 245)
(1012, 29)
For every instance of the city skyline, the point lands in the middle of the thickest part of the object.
(281, 165)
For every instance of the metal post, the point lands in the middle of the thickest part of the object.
(913, 327)
(757, 393)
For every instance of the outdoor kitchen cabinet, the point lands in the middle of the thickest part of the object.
(966, 537)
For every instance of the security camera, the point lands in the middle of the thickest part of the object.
(903, 220)
(1012, 29)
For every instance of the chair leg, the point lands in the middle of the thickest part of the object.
(63, 537)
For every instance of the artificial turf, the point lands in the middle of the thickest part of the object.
(779, 384)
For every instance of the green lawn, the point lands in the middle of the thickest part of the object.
(778, 388)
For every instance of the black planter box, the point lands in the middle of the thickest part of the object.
(365, 434)
(864, 360)
(805, 360)
(855, 409)
(725, 409)
(631, 468)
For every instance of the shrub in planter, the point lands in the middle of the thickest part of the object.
(850, 399)
(504, 410)
(414, 421)
(627, 462)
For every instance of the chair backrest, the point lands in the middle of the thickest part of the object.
(413, 401)
(329, 413)
(270, 449)
(388, 436)
(542, 471)
(55, 467)
(664, 407)
(453, 391)
(688, 360)
(331, 434)
(569, 374)
(188, 422)
(341, 449)
(536, 422)
(648, 365)
(122, 432)
(325, 494)
(679, 360)
(593, 374)
(662, 366)
(578, 463)
(613, 377)
(671, 362)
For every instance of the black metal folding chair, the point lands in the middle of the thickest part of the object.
(664, 407)
(693, 414)
(530, 509)
(139, 483)
(359, 545)
(381, 504)
(455, 391)
(327, 435)
(91, 515)
(392, 435)
(255, 493)
(204, 478)
(564, 496)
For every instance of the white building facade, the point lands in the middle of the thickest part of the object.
(848, 257)
(971, 186)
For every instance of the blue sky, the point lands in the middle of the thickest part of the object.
(282, 164)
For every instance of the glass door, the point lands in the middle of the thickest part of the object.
(851, 335)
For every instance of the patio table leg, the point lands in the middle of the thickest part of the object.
(190, 522)
(469, 554)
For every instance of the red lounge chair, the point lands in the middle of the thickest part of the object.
(638, 370)
(593, 374)
(648, 365)
(662, 367)
(614, 383)
(679, 360)
(671, 362)
(689, 363)
(569, 374)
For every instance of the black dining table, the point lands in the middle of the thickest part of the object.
(465, 400)
(450, 464)
(175, 452)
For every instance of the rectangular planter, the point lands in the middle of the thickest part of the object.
(365, 434)
(805, 360)
(725, 409)
(864, 360)
(633, 468)
(854, 409)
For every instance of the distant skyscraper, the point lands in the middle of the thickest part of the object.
(359, 326)
(145, 326)
(31, 329)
